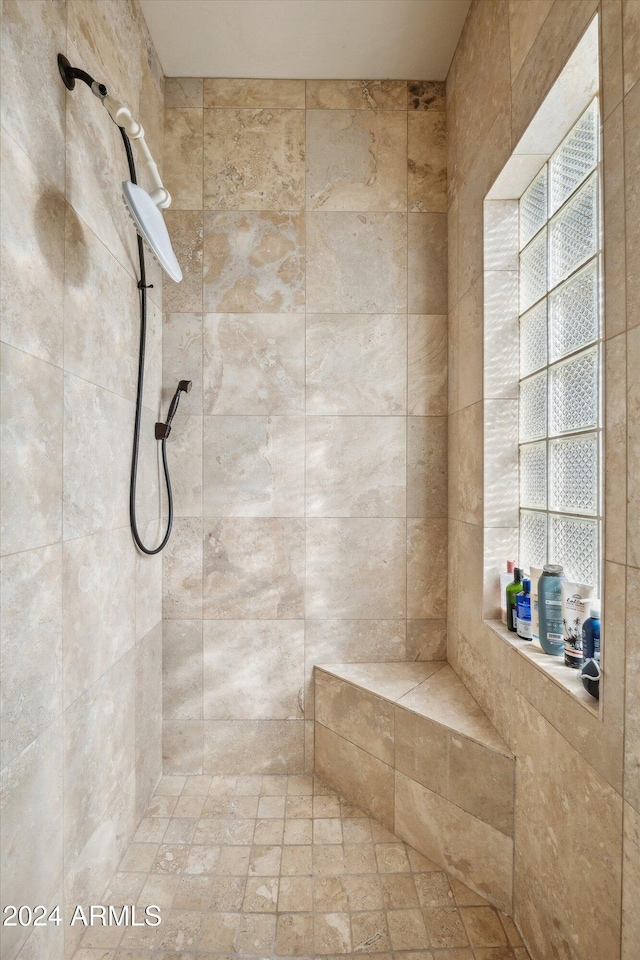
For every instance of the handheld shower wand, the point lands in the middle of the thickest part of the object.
(144, 209)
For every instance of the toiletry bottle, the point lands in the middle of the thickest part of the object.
(513, 590)
(505, 580)
(591, 633)
(550, 609)
(535, 573)
(523, 607)
(576, 604)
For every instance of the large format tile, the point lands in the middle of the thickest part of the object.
(31, 828)
(356, 160)
(470, 850)
(427, 281)
(365, 780)
(263, 686)
(631, 885)
(183, 92)
(426, 569)
(186, 232)
(31, 651)
(356, 94)
(183, 157)
(427, 366)
(148, 712)
(97, 631)
(182, 653)
(427, 161)
(182, 358)
(254, 159)
(427, 467)
(32, 266)
(182, 746)
(355, 467)
(96, 474)
(273, 93)
(356, 262)
(31, 447)
(356, 569)
(261, 746)
(253, 363)
(182, 571)
(253, 569)
(254, 466)
(355, 714)
(356, 364)
(254, 262)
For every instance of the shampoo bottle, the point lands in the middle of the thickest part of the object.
(513, 590)
(536, 573)
(550, 609)
(523, 607)
(591, 633)
(576, 603)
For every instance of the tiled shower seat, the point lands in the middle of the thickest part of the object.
(409, 744)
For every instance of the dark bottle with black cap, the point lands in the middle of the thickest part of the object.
(513, 589)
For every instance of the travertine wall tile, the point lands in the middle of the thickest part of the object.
(427, 467)
(183, 158)
(182, 670)
(427, 366)
(427, 263)
(427, 159)
(356, 94)
(261, 746)
(183, 92)
(225, 92)
(356, 715)
(356, 773)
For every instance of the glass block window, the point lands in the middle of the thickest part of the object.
(560, 358)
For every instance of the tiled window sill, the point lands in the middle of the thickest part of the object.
(553, 667)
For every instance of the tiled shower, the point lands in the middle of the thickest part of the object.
(158, 715)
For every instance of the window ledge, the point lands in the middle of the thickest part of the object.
(553, 667)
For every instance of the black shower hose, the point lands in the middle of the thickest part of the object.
(142, 286)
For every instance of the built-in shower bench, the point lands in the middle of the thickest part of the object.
(408, 743)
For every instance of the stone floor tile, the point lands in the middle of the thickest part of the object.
(296, 895)
(407, 930)
(445, 927)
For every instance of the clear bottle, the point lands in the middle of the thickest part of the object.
(550, 610)
(523, 608)
(513, 590)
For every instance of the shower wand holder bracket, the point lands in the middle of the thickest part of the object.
(162, 431)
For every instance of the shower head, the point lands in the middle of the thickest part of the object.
(150, 224)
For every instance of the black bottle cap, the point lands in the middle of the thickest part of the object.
(517, 574)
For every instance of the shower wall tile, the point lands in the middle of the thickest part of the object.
(264, 686)
(30, 446)
(427, 161)
(182, 92)
(182, 571)
(182, 653)
(97, 631)
(182, 358)
(426, 466)
(356, 569)
(254, 262)
(356, 94)
(96, 458)
(301, 401)
(254, 159)
(254, 466)
(356, 160)
(149, 581)
(253, 569)
(31, 647)
(631, 887)
(33, 98)
(428, 263)
(261, 746)
(426, 569)
(184, 158)
(148, 719)
(427, 366)
(182, 746)
(356, 364)
(187, 232)
(32, 255)
(184, 450)
(101, 323)
(226, 92)
(356, 263)
(356, 467)
(31, 827)
(253, 363)
(99, 751)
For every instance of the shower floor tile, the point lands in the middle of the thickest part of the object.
(270, 867)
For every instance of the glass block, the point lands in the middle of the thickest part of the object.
(533, 339)
(533, 407)
(533, 207)
(574, 474)
(574, 544)
(573, 310)
(533, 271)
(533, 475)
(574, 232)
(533, 539)
(575, 158)
(574, 394)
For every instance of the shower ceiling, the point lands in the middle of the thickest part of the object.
(312, 39)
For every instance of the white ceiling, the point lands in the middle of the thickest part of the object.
(310, 39)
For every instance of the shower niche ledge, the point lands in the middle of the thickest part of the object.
(408, 743)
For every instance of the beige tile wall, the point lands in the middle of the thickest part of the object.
(310, 477)
(81, 611)
(577, 784)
